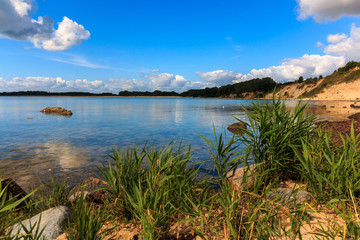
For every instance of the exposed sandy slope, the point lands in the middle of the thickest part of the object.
(342, 91)
(293, 91)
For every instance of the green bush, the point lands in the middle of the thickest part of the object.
(348, 66)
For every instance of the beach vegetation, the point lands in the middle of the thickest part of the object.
(159, 191)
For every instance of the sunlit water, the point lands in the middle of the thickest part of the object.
(35, 145)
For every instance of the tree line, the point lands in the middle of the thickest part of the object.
(258, 86)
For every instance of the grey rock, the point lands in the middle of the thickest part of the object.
(289, 195)
(53, 221)
(238, 179)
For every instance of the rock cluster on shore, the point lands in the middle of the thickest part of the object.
(342, 127)
(57, 110)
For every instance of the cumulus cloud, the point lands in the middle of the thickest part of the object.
(31, 83)
(335, 38)
(220, 77)
(162, 81)
(289, 69)
(347, 46)
(322, 10)
(50, 84)
(16, 23)
(168, 82)
(68, 34)
(340, 49)
(128, 84)
(306, 66)
(85, 85)
(179, 82)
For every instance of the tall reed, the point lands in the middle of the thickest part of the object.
(331, 171)
(152, 185)
(272, 132)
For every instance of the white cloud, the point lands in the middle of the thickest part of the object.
(339, 50)
(85, 85)
(169, 82)
(322, 10)
(349, 47)
(68, 34)
(32, 83)
(162, 81)
(220, 77)
(16, 23)
(179, 82)
(116, 85)
(50, 84)
(335, 38)
(306, 66)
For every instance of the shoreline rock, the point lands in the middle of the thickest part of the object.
(289, 195)
(53, 221)
(343, 127)
(243, 177)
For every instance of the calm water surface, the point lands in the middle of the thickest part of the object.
(35, 145)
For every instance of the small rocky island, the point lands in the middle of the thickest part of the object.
(56, 110)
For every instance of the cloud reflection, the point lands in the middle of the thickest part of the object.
(31, 164)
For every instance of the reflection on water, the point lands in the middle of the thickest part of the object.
(63, 154)
(31, 164)
(35, 145)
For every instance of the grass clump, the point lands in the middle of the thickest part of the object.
(87, 221)
(331, 171)
(272, 132)
(54, 194)
(152, 185)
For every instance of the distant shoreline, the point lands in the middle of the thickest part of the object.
(95, 96)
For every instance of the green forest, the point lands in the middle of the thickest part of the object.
(238, 90)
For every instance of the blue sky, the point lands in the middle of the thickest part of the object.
(109, 46)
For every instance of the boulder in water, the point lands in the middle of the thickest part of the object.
(56, 110)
